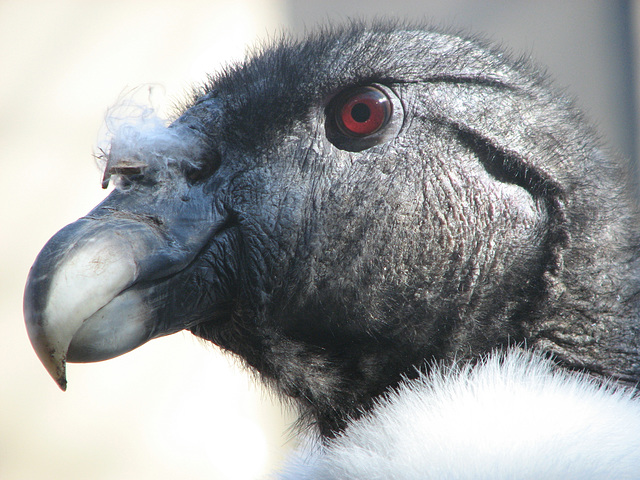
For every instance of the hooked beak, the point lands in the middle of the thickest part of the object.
(100, 286)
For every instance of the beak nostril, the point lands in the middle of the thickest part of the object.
(128, 170)
(124, 166)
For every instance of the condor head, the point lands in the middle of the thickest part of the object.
(339, 211)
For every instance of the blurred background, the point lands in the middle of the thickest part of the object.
(176, 408)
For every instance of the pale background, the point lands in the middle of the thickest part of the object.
(174, 408)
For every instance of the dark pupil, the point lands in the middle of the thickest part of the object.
(360, 112)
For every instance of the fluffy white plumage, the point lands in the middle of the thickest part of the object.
(513, 416)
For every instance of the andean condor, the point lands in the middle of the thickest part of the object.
(408, 233)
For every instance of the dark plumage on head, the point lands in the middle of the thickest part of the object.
(343, 210)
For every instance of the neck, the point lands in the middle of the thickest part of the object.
(590, 318)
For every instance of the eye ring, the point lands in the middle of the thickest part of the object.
(363, 112)
(361, 117)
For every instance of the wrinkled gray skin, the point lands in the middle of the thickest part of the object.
(486, 213)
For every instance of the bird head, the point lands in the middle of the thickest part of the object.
(340, 210)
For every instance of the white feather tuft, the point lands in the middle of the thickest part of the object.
(136, 138)
(513, 416)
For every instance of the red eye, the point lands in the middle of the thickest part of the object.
(363, 112)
